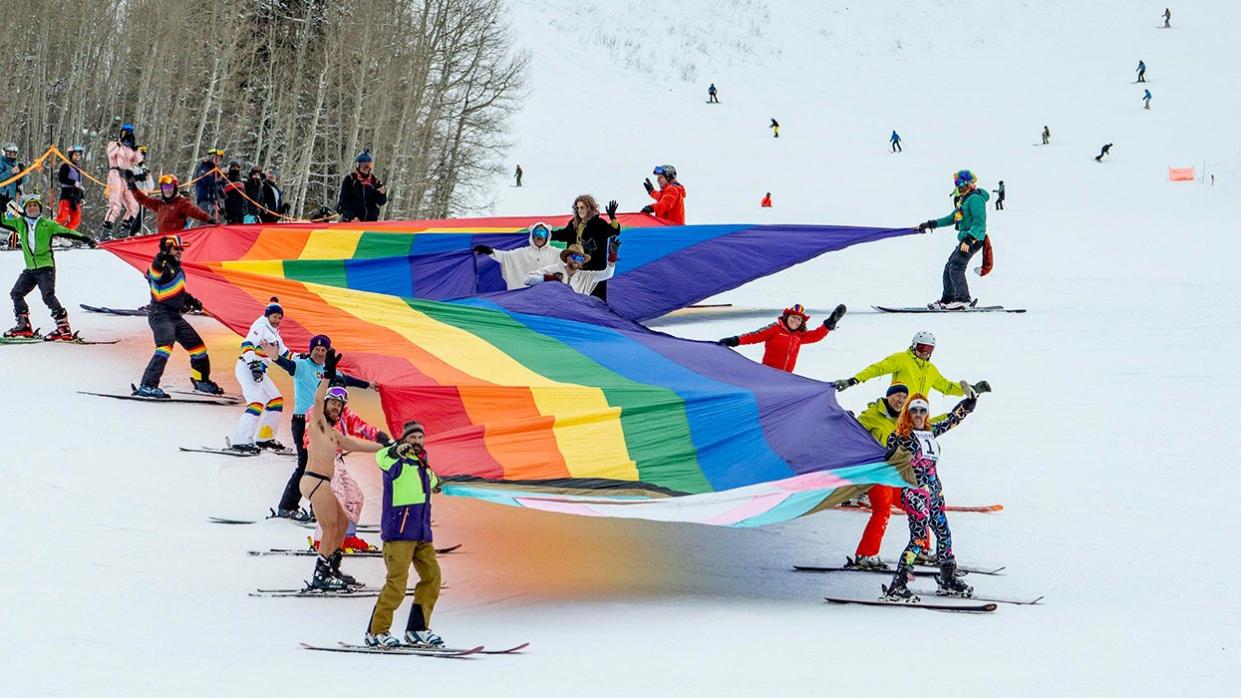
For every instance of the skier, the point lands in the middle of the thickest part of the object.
(999, 199)
(1046, 135)
(234, 203)
(669, 199)
(9, 167)
(172, 210)
(775, 128)
(263, 401)
(711, 95)
(406, 533)
(571, 269)
(209, 184)
(1167, 18)
(69, 177)
(1106, 149)
(1146, 98)
(766, 202)
(913, 368)
(587, 229)
(1141, 71)
(361, 192)
(970, 220)
(924, 504)
(307, 371)
(123, 157)
(323, 444)
(518, 174)
(783, 338)
(33, 234)
(895, 140)
(169, 299)
(516, 265)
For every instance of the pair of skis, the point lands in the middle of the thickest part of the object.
(184, 396)
(306, 552)
(361, 528)
(38, 338)
(414, 650)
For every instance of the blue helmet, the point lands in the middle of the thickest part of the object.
(364, 156)
(964, 178)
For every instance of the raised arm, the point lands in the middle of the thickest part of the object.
(954, 417)
(880, 368)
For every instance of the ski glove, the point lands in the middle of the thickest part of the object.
(844, 383)
(648, 209)
(925, 226)
(839, 312)
(482, 249)
(982, 387)
(613, 248)
(329, 364)
(730, 341)
(611, 209)
(257, 369)
(383, 439)
(192, 304)
(650, 188)
(91, 242)
(553, 277)
(404, 450)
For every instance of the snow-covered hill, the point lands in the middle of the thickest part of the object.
(1102, 437)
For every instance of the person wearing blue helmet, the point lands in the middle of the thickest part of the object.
(970, 220)
(361, 193)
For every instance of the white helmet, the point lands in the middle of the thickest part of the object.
(924, 337)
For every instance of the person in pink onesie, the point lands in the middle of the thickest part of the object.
(123, 161)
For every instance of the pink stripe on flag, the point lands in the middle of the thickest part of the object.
(758, 505)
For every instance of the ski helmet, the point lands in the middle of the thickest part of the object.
(364, 156)
(77, 148)
(10, 147)
(964, 178)
(797, 309)
(216, 151)
(337, 392)
(28, 199)
(668, 171)
(924, 337)
(169, 179)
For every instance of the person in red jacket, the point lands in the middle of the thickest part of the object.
(766, 202)
(172, 211)
(669, 199)
(784, 337)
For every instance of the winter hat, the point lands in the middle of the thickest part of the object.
(896, 388)
(320, 340)
(574, 249)
(410, 427)
(364, 156)
(273, 307)
(797, 309)
(918, 402)
(541, 229)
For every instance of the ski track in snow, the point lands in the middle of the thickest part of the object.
(1098, 439)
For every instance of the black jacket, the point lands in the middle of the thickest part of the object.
(360, 198)
(235, 205)
(69, 190)
(593, 237)
(167, 286)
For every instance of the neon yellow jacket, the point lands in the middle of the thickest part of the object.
(918, 375)
(880, 423)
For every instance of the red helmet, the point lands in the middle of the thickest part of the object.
(169, 179)
(799, 310)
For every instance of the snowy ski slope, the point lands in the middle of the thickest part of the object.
(1106, 430)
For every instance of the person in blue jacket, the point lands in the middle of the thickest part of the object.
(9, 166)
(711, 95)
(1141, 71)
(970, 220)
(1146, 98)
(895, 140)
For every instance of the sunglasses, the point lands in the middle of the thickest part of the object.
(917, 410)
(577, 258)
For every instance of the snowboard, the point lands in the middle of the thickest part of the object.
(925, 309)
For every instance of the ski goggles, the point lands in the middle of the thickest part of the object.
(918, 407)
(167, 180)
(173, 241)
(924, 348)
(575, 257)
(337, 393)
(540, 232)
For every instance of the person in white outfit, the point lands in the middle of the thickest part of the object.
(569, 269)
(256, 429)
(516, 265)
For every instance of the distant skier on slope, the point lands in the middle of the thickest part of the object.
(669, 198)
(1167, 18)
(1146, 99)
(1141, 71)
(1046, 135)
(999, 199)
(775, 128)
(518, 173)
(783, 338)
(914, 369)
(766, 202)
(924, 505)
(895, 140)
(588, 229)
(970, 221)
(1106, 149)
(516, 265)
(711, 95)
(32, 233)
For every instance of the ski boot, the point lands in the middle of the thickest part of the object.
(865, 562)
(334, 561)
(950, 583)
(244, 448)
(62, 333)
(271, 445)
(423, 638)
(898, 591)
(324, 580)
(152, 391)
(382, 640)
(105, 232)
(22, 328)
(299, 515)
(353, 543)
(208, 386)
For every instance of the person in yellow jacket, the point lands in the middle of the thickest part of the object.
(914, 369)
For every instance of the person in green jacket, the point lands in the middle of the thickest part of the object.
(34, 235)
(914, 369)
(970, 220)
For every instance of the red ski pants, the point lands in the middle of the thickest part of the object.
(68, 215)
(882, 499)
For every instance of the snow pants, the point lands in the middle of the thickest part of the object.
(45, 280)
(398, 556)
(292, 496)
(168, 327)
(896, 147)
(69, 214)
(924, 507)
(999, 203)
(264, 405)
(955, 286)
(882, 499)
(119, 198)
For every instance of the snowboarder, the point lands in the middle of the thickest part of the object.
(913, 440)
(516, 265)
(209, 184)
(669, 198)
(1167, 18)
(9, 167)
(257, 426)
(518, 174)
(123, 158)
(169, 299)
(913, 368)
(999, 199)
(587, 229)
(323, 444)
(970, 221)
(1146, 98)
(33, 234)
(766, 202)
(361, 192)
(571, 269)
(1141, 71)
(783, 338)
(895, 140)
(1106, 149)
(307, 371)
(406, 533)
(775, 128)
(1046, 135)
(711, 95)
(172, 210)
(69, 177)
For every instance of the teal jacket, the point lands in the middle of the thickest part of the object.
(37, 248)
(970, 216)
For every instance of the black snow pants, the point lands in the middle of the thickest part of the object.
(168, 327)
(292, 496)
(45, 279)
(955, 286)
